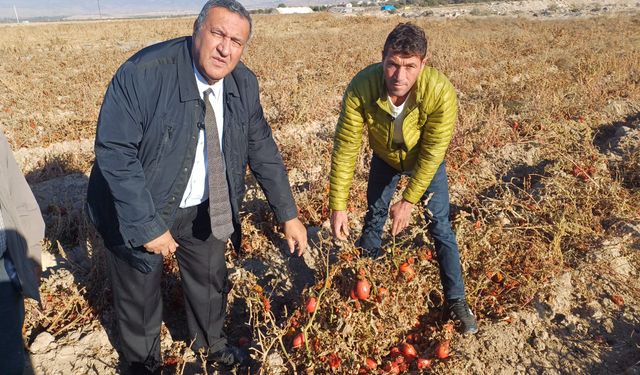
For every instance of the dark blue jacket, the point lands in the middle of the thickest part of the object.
(146, 141)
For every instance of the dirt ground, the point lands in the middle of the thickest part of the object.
(584, 318)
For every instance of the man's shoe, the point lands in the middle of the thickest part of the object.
(140, 368)
(230, 356)
(460, 311)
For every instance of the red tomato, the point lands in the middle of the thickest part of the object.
(391, 368)
(363, 289)
(423, 363)
(425, 254)
(352, 294)
(408, 271)
(266, 303)
(408, 351)
(371, 363)
(311, 305)
(298, 341)
(395, 352)
(448, 327)
(334, 360)
(403, 367)
(442, 350)
(171, 361)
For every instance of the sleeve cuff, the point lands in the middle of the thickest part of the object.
(139, 235)
(286, 214)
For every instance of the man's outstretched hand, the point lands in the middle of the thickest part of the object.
(340, 225)
(400, 214)
(295, 233)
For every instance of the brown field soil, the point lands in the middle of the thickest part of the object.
(544, 175)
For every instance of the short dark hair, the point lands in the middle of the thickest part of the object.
(230, 5)
(406, 39)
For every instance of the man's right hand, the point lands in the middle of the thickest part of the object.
(165, 245)
(340, 225)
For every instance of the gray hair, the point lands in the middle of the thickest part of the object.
(230, 5)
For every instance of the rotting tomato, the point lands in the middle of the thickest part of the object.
(442, 349)
(407, 270)
(298, 340)
(311, 305)
(391, 368)
(171, 361)
(371, 363)
(425, 254)
(423, 363)
(448, 327)
(394, 352)
(408, 351)
(352, 294)
(266, 303)
(334, 360)
(617, 299)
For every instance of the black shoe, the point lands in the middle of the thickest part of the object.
(230, 356)
(460, 311)
(140, 368)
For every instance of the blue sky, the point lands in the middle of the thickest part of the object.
(38, 8)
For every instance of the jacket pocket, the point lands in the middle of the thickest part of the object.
(165, 140)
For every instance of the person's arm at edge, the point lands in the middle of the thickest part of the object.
(28, 210)
(346, 148)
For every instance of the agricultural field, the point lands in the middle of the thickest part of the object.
(544, 172)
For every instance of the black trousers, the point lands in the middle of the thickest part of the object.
(137, 296)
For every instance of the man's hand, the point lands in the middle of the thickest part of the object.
(295, 232)
(400, 215)
(165, 245)
(340, 225)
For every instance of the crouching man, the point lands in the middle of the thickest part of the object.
(409, 110)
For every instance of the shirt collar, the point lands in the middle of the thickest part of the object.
(203, 85)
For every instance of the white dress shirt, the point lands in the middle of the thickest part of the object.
(197, 190)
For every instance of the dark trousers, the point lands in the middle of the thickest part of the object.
(383, 180)
(137, 296)
(12, 356)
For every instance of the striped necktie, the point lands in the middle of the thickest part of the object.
(219, 204)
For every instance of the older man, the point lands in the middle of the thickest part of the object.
(179, 124)
(410, 111)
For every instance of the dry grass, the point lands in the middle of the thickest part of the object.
(533, 185)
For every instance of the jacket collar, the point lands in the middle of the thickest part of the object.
(186, 80)
(230, 85)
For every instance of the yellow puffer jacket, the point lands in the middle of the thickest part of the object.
(431, 111)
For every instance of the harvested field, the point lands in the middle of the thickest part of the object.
(544, 173)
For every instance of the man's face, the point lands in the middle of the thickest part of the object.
(401, 72)
(219, 43)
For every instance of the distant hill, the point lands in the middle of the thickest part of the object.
(51, 10)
